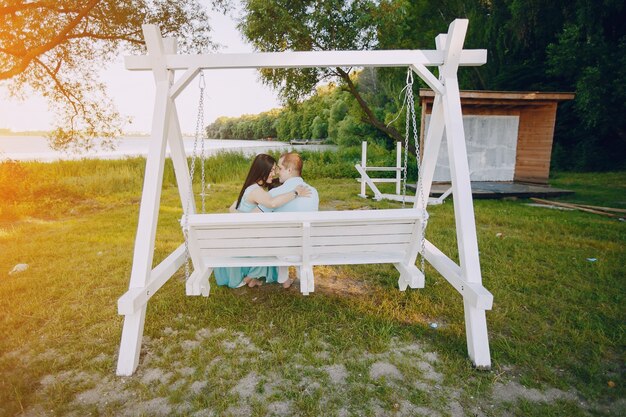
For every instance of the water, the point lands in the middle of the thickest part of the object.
(36, 148)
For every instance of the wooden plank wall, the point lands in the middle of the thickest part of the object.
(534, 143)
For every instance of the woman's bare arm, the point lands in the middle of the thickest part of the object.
(262, 197)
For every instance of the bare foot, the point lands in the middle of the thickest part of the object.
(288, 283)
(254, 282)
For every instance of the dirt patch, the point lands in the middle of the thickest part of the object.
(246, 386)
(155, 407)
(107, 391)
(279, 408)
(186, 371)
(403, 367)
(323, 355)
(168, 331)
(407, 409)
(189, 344)
(513, 391)
(205, 333)
(380, 369)
(204, 413)
(429, 372)
(329, 281)
(155, 374)
(242, 410)
(337, 373)
(197, 386)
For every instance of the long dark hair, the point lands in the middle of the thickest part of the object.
(259, 171)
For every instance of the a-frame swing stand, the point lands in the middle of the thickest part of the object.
(465, 277)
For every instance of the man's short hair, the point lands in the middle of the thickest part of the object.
(292, 160)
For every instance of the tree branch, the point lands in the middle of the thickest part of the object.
(71, 98)
(58, 39)
(49, 5)
(369, 116)
(92, 35)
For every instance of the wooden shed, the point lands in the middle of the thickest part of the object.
(508, 134)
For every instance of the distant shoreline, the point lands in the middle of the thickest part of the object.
(37, 148)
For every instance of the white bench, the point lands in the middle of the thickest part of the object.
(304, 240)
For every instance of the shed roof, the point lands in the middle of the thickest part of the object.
(506, 98)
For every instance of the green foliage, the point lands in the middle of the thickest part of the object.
(540, 45)
(261, 126)
(589, 56)
(304, 25)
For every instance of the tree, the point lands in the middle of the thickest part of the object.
(313, 25)
(56, 48)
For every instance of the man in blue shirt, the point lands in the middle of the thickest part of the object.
(289, 175)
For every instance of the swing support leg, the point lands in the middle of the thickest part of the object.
(132, 332)
(198, 282)
(410, 276)
(307, 280)
(164, 107)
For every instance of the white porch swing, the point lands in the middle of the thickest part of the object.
(313, 238)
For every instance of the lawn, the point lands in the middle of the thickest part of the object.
(356, 346)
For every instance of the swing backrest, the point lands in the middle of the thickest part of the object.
(318, 238)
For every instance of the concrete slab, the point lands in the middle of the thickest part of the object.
(496, 190)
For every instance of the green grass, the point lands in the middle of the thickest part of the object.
(557, 325)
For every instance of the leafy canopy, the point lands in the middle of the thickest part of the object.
(56, 48)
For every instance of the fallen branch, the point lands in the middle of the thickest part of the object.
(612, 209)
(574, 206)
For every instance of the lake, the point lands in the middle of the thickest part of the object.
(36, 148)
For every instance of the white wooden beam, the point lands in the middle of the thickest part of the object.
(136, 298)
(183, 82)
(428, 78)
(430, 152)
(462, 190)
(366, 178)
(309, 59)
(307, 278)
(364, 166)
(477, 336)
(199, 267)
(475, 294)
(132, 331)
(454, 48)
(467, 243)
(410, 276)
(278, 218)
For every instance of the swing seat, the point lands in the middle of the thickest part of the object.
(305, 239)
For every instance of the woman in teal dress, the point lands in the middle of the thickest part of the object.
(253, 193)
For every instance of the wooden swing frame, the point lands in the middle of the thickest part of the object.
(163, 61)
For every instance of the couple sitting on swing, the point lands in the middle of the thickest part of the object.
(260, 194)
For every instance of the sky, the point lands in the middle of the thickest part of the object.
(228, 92)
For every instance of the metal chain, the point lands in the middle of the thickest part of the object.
(411, 109)
(199, 123)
